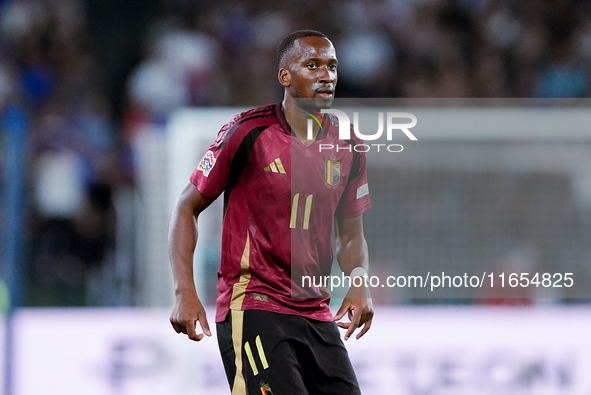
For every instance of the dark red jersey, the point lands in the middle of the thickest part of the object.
(280, 199)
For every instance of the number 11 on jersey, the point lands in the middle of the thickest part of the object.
(294, 211)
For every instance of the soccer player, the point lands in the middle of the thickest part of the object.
(283, 196)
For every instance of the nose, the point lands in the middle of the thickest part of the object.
(325, 75)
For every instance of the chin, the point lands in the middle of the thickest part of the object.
(325, 103)
(314, 103)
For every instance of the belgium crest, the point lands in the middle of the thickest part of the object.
(332, 172)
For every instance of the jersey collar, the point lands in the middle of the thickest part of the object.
(325, 120)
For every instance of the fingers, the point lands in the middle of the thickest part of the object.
(354, 324)
(344, 325)
(365, 328)
(204, 325)
(359, 317)
(347, 308)
(350, 326)
(177, 328)
(189, 326)
(341, 313)
(192, 328)
(191, 332)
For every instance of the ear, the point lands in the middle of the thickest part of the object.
(284, 77)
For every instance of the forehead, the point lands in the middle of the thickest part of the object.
(312, 47)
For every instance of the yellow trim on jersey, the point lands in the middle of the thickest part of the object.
(239, 289)
(280, 165)
(307, 211)
(239, 386)
(261, 351)
(253, 364)
(238, 293)
(276, 167)
(294, 211)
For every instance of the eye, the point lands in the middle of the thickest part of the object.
(311, 66)
(332, 67)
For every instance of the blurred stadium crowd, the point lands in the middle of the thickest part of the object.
(88, 74)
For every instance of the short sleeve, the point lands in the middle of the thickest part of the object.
(355, 198)
(211, 176)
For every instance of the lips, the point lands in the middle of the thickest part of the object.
(325, 92)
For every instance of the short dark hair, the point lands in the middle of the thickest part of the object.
(288, 41)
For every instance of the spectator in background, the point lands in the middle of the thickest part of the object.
(47, 70)
(177, 72)
(563, 73)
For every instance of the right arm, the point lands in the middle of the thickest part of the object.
(182, 237)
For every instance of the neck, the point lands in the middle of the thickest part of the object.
(297, 119)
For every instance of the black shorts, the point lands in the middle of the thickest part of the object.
(268, 353)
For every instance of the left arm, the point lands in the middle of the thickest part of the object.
(352, 253)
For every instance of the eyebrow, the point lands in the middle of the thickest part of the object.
(319, 59)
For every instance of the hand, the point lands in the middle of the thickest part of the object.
(358, 305)
(186, 312)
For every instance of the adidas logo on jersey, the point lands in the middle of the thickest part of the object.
(276, 166)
